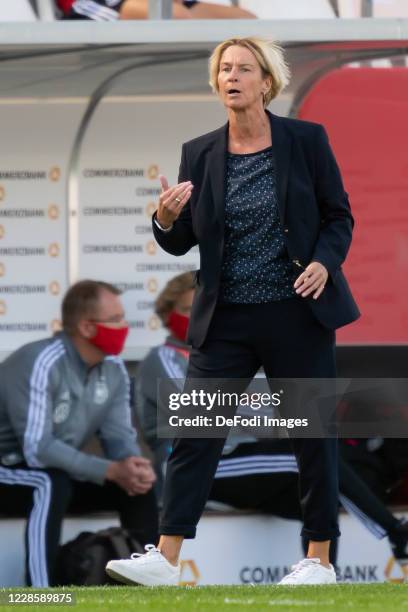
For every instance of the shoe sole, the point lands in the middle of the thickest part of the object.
(291, 584)
(126, 580)
(120, 578)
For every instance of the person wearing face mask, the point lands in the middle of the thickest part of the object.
(55, 396)
(166, 361)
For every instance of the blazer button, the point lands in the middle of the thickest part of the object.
(286, 230)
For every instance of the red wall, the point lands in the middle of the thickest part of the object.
(365, 112)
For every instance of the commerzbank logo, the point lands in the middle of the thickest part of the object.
(359, 573)
(151, 207)
(152, 285)
(56, 325)
(394, 572)
(189, 574)
(54, 174)
(154, 323)
(153, 171)
(53, 249)
(53, 211)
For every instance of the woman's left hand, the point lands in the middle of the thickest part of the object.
(312, 280)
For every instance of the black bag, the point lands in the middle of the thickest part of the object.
(82, 561)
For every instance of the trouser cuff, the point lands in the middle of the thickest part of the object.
(188, 531)
(320, 536)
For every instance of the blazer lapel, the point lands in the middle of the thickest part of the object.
(282, 149)
(217, 169)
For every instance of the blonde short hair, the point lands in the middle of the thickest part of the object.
(269, 56)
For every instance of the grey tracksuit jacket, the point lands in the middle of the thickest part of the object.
(52, 403)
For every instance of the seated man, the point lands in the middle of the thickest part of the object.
(253, 474)
(110, 10)
(55, 394)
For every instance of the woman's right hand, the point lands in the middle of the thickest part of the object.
(172, 201)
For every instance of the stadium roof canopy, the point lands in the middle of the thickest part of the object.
(77, 59)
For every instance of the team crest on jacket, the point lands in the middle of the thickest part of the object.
(62, 409)
(101, 391)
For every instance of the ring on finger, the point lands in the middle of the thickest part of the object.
(178, 200)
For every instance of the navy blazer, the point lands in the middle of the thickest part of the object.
(313, 207)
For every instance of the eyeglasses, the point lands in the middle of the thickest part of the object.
(115, 319)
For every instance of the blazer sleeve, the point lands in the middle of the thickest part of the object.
(337, 221)
(181, 238)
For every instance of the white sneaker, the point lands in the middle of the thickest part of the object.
(148, 569)
(309, 571)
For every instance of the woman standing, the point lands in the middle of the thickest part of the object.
(264, 200)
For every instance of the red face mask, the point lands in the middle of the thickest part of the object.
(110, 340)
(178, 324)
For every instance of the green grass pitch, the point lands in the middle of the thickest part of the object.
(336, 598)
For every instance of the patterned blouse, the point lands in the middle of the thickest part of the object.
(256, 267)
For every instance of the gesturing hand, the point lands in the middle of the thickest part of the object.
(313, 279)
(171, 201)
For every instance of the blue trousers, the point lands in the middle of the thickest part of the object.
(285, 338)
